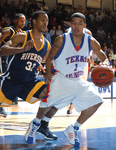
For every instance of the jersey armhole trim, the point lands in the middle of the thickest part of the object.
(24, 40)
(64, 39)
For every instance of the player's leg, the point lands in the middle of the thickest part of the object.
(88, 105)
(44, 129)
(31, 92)
(52, 99)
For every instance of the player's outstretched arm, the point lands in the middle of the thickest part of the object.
(53, 52)
(12, 46)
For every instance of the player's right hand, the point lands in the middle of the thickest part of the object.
(29, 45)
(48, 77)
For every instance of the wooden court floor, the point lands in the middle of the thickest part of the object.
(97, 133)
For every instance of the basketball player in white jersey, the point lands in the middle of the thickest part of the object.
(69, 55)
(87, 31)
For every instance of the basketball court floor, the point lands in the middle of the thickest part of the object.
(97, 133)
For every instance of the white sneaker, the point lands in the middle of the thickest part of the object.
(30, 134)
(71, 133)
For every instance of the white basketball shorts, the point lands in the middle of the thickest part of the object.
(63, 91)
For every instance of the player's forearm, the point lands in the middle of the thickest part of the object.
(48, 65)
(5, 51)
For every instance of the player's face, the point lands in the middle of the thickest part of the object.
(21, 22)
(77, 25)
(42, 22)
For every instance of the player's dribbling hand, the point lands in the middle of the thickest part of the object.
(105, 62)
(29, 45)
(48, 78)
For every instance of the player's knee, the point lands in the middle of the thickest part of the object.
(43, 93)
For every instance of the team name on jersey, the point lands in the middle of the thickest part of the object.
(31, 56)
(75, 74)
(76, 58)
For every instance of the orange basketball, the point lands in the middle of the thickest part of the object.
(102, 76)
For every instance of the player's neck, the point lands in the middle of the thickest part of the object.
(18, 29)
(77, 39)
(36, 34)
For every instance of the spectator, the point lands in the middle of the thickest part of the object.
(54, 36)
(20, 9)
(112, 46)
(110, 61)
(34, 6)
(47, 35)
(60, 32)
(44, 7)
(29, 27)
(111, 54)
(53, 22)
(105, 49)
(101, 34)
(52, 31)
(7, 19)
(114, 36)
(28, 20)
(114, 66)
(2, 21)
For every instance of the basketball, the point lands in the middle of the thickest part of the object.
(102, 76)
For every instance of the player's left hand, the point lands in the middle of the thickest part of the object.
(105, 62)
(40, 68)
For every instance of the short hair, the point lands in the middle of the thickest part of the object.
(78, 15)
(19, 15)
(36, 14)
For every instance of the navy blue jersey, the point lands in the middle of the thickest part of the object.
(14, 31)
(22, 67)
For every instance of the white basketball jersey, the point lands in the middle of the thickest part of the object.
(71, 60)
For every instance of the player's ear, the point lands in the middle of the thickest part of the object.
(34, 21)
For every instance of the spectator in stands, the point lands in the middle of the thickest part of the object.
(105, 49)
(12, 8)
(34, 6)
(111, 54)
(2, 8)
(112, 46)
(29, 27)
(20, 9)
(110, 61)
(28, 20)
(52, 31)
(114, 36)
(54, 36)
(58, 13)
(47, 35)
(7, 19)
(53, 22)
(3, 21)
(101, 34)
(60, 32)
(109, 37)
(114, 66)
(44, 7)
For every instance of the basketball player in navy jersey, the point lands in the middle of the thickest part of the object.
(69, 55)
(20, 78)
(6, 35)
